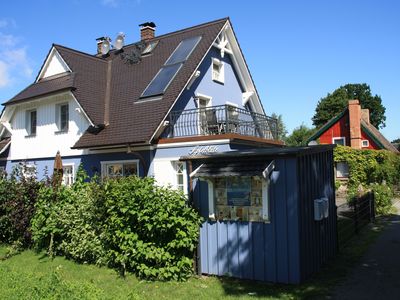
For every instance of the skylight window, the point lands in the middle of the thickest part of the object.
(167, 73)
(149, 48)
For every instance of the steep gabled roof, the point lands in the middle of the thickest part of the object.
(377, 137)
(372, 132)
(44, 87)
(132, 120)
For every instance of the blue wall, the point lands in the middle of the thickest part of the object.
(91, 162)
(255, 250)
(230, 90)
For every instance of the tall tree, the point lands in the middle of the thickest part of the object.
(282, 132)
(334, 103)
(299, 136)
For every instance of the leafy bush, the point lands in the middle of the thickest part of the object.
(383, 198)
(149, 229)
(128, 223)
(17, 203)
(68, 221)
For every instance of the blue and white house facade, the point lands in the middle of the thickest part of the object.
(45, 122)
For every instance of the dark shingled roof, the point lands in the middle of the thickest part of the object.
(44, 87)
(132, 121)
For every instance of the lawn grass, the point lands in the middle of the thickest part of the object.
(31, 275)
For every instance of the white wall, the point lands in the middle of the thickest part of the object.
(54, 65)
(165, 174)
(47, 142)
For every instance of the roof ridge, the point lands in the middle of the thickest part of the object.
(187, 29)
(81, 53)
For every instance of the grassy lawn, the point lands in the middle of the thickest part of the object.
(31, 275)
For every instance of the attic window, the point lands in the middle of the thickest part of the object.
(217, 70)
(365, 143)
(149, 48)
(167, 73)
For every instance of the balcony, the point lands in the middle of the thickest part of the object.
(222, 119)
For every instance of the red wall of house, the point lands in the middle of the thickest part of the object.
(341, 129)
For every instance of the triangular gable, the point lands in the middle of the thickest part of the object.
(227, 43)
(53, 65)
(373, 133)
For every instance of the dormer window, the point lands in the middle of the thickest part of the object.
(31, 122)
(149, 48)
(62, 117)
(217, 70)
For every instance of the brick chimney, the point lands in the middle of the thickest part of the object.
(365, 114)
(355, 124)
(147, 31)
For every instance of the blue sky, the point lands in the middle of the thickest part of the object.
(297, 51)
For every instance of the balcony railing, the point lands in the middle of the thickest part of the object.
(221, 119)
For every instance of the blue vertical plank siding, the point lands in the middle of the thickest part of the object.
(291, 246)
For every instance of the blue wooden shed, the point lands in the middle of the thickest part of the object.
(269, 213)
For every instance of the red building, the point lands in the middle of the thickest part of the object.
(351, 128)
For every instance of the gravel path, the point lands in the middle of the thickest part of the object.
(377, 276)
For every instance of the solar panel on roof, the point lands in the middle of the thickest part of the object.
(162, 80)
(183, 51)
(164, 77)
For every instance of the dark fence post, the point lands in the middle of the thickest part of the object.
(356, 215)
(372, 197)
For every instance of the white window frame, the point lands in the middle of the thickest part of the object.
(198, 98)
(339, 138)
(58, 117)
(72, 173)
(220, 77)
(28, 122)
(184, 174)
(366, 143)
(105, 163)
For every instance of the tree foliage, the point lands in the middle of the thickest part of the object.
(282, 131)
(334, 103)
(299, 136)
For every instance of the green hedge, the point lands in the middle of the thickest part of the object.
(376, 170)
(130, 224)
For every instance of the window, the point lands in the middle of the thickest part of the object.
(339, 141)
(217, 70)
(62, 117)
(179, 175)
(202, 102)
(365, 143)
(149, 48)
(28, 171)
(31, 122)
(115, 169)
(68, 175)
(342, 170)
(241, 198)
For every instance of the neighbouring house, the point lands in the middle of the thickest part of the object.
(136, 109)
(351, 128)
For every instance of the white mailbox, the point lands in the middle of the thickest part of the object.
(318, 209)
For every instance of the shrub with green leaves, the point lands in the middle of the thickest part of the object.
(68, 221)
(18, 194)
(383, 198)
(377, 170)
(150, 230)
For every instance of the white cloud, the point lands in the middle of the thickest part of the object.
(4, 74)
(14, 61)
(7, 22)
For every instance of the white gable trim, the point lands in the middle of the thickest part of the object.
(81, 109)
(49, 60)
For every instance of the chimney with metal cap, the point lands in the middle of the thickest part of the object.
(147, 31)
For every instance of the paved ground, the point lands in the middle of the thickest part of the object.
(378, 274)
